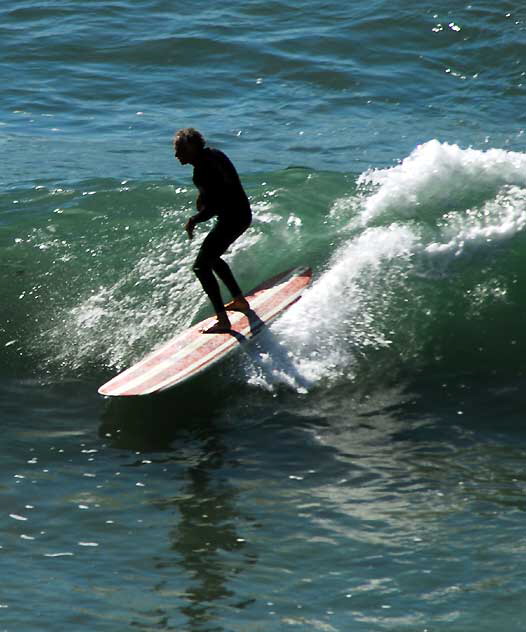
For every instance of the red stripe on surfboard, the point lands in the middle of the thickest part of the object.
(182, 341)
(223, 342)
(203, 356)
(135, 380)
(207, 348)
(195, 361)
(206, 344)
(247, 332)
(154, 359)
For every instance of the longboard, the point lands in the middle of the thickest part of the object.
(192, 351)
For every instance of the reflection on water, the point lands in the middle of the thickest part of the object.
(153, 422)
(204, 512)
(206, 538)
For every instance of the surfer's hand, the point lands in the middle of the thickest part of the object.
(190, 225)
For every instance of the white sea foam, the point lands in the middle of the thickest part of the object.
(437, 175)
(113, 322)
(497, 220)
(334, 322)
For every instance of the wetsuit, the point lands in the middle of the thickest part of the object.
(221, 194)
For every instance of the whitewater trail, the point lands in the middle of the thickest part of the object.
(415, 219)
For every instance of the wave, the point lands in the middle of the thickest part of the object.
(418, 265)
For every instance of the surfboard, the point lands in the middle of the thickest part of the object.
(192, 352)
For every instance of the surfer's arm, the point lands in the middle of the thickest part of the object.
(203, 214)
(205, 209)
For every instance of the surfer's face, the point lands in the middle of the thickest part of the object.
(184, 152)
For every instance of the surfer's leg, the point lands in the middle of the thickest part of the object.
(223, 271)
(226, 236)
(203, 270)
(209, 261)
(211, 287)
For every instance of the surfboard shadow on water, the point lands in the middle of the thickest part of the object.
(255, 323)
(268, 344)
(153, 422)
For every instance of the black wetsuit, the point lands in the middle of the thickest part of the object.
(221, 195)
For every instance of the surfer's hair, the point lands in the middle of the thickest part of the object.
(190, 136)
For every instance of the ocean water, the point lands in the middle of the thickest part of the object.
(362, 466)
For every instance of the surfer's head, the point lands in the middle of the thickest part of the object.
(188, 144)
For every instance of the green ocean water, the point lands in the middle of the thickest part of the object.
(361, 465)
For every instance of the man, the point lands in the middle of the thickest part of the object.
(220, 194)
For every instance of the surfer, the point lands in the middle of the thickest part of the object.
(221, 194)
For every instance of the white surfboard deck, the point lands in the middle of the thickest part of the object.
(192, 352)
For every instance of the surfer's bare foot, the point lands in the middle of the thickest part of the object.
(221, 326)
(238, 304)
